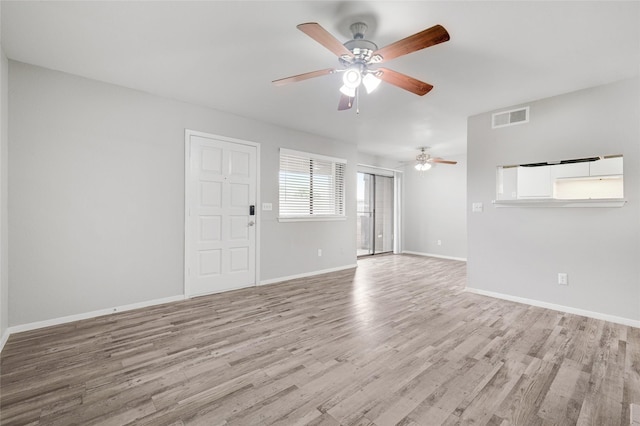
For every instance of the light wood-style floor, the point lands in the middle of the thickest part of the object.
(395, 341)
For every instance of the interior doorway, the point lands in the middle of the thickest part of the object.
(375, 225)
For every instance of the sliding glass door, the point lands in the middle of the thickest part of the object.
(375, 214)
(365, 214)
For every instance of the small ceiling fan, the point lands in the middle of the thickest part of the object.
(424, 160)
(359, 58)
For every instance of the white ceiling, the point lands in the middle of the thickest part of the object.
(224, 55)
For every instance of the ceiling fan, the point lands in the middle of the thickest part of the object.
(359, 58)
(424, 160)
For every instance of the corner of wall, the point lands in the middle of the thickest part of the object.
(434, 206)
(4, 282)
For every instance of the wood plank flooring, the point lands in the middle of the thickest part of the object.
(396, 341)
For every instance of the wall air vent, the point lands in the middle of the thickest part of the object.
(510, 118)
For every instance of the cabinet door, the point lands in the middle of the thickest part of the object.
(606, 167)
(534, 182)
(570, 170)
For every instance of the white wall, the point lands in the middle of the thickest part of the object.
(96, 195)
(4, 271)
(519, 251)
(434, 209)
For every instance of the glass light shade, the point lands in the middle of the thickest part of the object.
(352, 78)
(348, 91)
(421, 167)
(370, 82)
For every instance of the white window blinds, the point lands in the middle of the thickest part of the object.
(311, 185)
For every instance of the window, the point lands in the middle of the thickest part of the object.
(311, 186)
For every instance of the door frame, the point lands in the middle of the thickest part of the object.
(374, 212)
(187, 196)
(398, 188)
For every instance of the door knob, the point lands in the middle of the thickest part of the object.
(251, 223)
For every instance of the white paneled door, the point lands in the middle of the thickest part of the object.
(221, 197)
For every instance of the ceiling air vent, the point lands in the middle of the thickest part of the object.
(509, 118)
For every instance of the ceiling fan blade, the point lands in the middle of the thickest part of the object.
(440, 160)
(301, 77)
(345, 102)
(405, 82)
(322, 36)
(429, 37)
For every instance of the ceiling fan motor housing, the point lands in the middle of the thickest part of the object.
(361, 48)
(423, 157)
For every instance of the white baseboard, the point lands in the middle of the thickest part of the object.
(4, 338)
(145, 304)
(92, 314)
(307, 274)
(561, 308)
(417, 253)
(107, 311)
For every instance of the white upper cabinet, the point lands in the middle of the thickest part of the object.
(570, 170)
(534, 182)
(606, 167)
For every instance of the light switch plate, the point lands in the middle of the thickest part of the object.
(267, 207)
(476, 207)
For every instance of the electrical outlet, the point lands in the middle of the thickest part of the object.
(563, 278)
(439, 242)
(319, 252)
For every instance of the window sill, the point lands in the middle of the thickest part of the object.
(605, 202)
(312, 219)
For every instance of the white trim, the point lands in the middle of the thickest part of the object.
(307, 274)
(398, 194)
(553, 202)
(258, 216)
(560, 308)
(187, 196)
(439, 256)
(92, 314)
(310, 218)
(287, 151)
(379, 168)
(374, 170)
(4, 338)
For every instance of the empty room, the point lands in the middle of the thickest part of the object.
(367, 213)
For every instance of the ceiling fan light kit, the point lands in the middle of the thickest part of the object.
(421, 167)
(348, 91)
(352, 77)
(370, 82)
(359, 57)
(425, 161)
